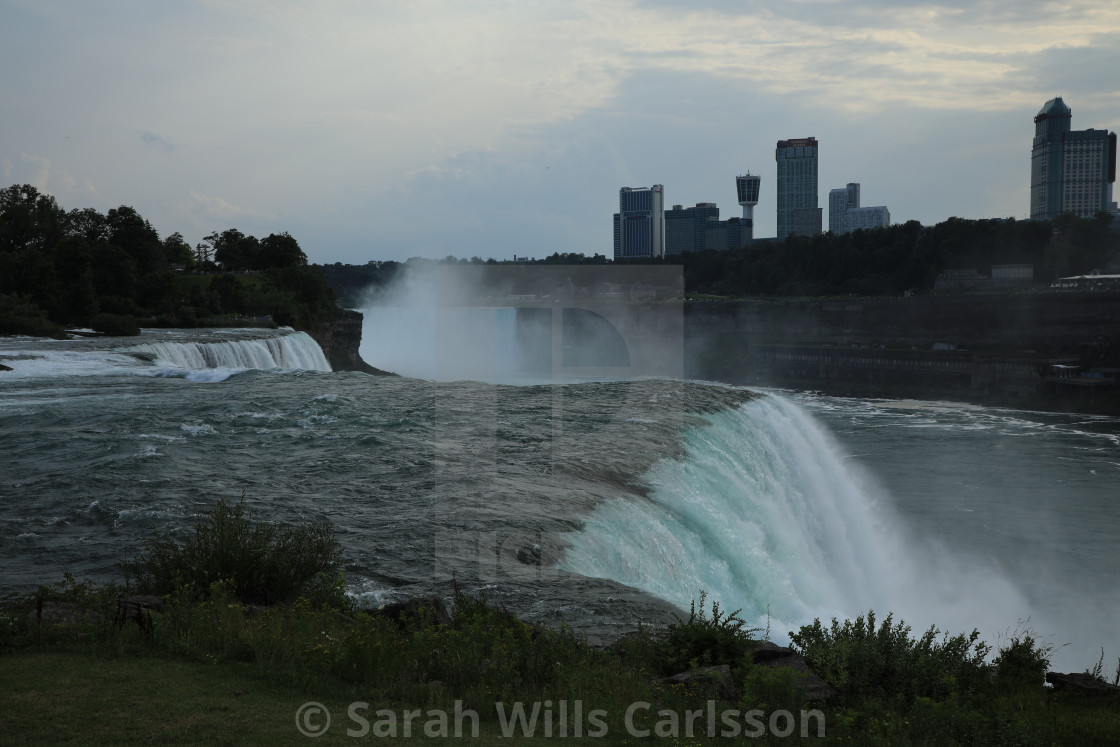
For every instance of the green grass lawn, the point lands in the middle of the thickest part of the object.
(74, 698)
(64, 698)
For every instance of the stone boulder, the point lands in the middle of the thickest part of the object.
(1081, 684)
(718, 677)
(771, 655)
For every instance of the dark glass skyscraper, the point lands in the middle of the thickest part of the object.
(797, 187)
(1071, 171)
(639, 224)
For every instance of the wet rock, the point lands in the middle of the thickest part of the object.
(1081, 684)
(771, 655)
(718, 677)
(530, 555)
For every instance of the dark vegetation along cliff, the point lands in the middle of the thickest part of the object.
(113, 273)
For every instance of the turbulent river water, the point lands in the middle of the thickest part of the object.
(598, 504)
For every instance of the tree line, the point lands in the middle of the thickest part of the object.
(894, 260)
(111, 271)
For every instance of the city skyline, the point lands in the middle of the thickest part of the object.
(385, 132)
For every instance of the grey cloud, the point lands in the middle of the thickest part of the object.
(151, 138)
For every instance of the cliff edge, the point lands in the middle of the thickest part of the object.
(340, 340)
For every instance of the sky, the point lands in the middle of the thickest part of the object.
(383, 130)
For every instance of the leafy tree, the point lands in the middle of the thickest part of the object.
(134, 234)
(203, 254)
(87, 223)
(235, 251)
(177, 251)
(28, 219)
(280, 250)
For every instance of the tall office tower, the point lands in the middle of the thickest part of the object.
(840, 201)
(797, 187)
(640, 222)
(1072, 171)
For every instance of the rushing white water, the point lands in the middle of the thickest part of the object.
(216, 360)
(764, 512)
(205, 355)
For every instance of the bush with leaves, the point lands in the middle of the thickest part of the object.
(1024, 660)
(861, 659)
(704, 641)
(263, 562)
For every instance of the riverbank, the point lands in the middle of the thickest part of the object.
(1028, 350)
(216, 670)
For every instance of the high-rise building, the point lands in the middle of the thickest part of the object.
(797, 187)
(685, 227)
(1072, 171)
(839, 202)
(640, 222)
(845, 215)
(728, 235)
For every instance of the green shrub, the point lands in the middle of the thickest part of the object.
(262, 562)
(704, 641)
(860, 659)
(1023, 661)
(20, 316)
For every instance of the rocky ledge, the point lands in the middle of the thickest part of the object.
(341, 340)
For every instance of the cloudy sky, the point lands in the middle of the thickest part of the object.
(379, 129)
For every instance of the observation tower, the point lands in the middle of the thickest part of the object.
(747, 187)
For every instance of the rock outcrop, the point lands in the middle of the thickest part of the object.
(718, 678)
(771, 655)
(1082, 684)
(341, 340)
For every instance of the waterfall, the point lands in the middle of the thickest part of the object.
(295, 351)
(766, 514)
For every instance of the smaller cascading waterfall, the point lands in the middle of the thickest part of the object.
(297, 351)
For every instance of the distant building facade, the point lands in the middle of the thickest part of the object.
(839, 202)
(1071, 171)
(728, 235)
(866, 218)
(685, 228)
(845, 214)
(639, 224)
(699, 228)
(798, 212)
(1012, 274)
